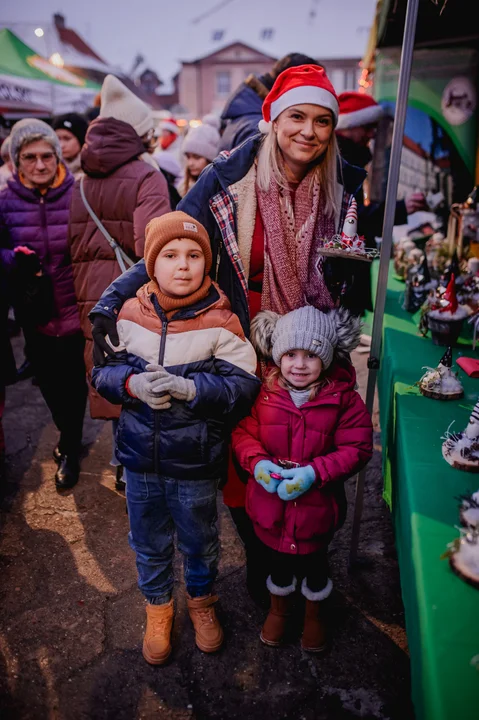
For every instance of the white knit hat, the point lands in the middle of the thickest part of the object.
(308, 329)
(203, 140)
(30, 130)
(120, 103)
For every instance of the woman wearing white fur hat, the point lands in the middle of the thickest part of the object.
(267, 208)
(200, 147)
(307, 433)
(125, 193)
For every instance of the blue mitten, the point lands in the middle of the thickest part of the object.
(296, 482)
(262, 475)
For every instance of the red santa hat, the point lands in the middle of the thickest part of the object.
(297, 86)
(356, 109)
(169, 124)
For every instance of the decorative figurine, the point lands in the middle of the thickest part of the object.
(441, 383)
(349, 245)
(461, 450)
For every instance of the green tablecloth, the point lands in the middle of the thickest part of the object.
(442, 611)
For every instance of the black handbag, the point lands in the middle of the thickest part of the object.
(34, 300)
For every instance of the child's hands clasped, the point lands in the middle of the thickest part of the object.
(178, 387)
(141, 387)
(262, 475)
(296, 482)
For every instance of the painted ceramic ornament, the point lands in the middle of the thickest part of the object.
(441, 383)
(349, 244)
(418, 286)
(463, 554)
(469, 511)
(444, 317)
(461, 450)
(453, 269)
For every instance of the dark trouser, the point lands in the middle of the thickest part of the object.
(313, 567)
(60, 372)
(256, 553)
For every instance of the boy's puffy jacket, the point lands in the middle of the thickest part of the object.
(203, 342)
(333, 433)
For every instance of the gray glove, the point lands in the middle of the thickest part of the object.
(141, 386)
(178, 387)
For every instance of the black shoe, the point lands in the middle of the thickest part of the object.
(25, 371)
(120, 484)
(57, 455)
(68, 472)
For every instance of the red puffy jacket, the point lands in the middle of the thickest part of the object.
(333, 433)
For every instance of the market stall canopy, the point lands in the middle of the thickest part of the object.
(440, 23)
(31, 84)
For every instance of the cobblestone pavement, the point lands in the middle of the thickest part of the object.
(72, 619)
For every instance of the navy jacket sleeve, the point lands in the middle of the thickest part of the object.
(230, 391)
(110, 381)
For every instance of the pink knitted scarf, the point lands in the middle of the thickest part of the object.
(293, 274)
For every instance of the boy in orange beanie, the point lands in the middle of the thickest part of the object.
(185, 376)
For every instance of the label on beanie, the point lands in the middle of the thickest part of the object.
(190, 226)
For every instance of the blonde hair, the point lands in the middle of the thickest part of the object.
(270, 166)
(274, 375)
(187, 184)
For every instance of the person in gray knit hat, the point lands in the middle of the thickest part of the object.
(309, 431)
(200, 147)
(35, 257)
(308, 329)
(30, 130)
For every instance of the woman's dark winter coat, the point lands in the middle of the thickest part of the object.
(211, 202)
(40, 221)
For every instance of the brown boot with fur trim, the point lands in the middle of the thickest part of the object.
(157, 640)
(274, 628)
(208, 631)
(314, 638)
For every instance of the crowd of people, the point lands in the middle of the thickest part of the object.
(171, 282)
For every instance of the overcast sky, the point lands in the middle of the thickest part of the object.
(158, 29)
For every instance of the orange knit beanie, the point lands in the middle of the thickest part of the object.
(172, 226)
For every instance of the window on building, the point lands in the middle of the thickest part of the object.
(217, 35)
(267, 34)
(350, 80)
(223, 82)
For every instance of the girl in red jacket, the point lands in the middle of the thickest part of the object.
(308, 432)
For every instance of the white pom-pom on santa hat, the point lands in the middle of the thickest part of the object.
(264, 127)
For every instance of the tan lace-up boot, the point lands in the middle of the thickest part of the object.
(157, 640)
(208, 632)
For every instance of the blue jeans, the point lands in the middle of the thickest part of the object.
(156, 507)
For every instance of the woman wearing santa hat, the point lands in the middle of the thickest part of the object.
(267, 208)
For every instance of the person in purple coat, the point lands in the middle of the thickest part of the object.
(35, 259)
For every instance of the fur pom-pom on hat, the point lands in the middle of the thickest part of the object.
(261, 332)
(320, 333)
